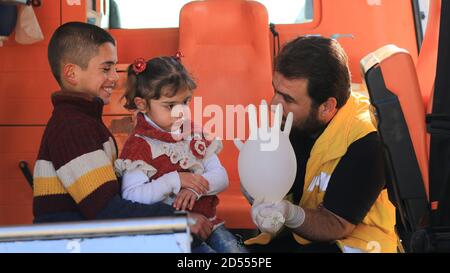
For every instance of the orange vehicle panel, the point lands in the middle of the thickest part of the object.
(363, 20)
(16, 196)
(25, 77)
(231, 60)
(26, 81)
(145, 43)
(73, 11)
(427, 62)
(407, 90)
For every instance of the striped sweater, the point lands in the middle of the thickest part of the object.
(74, 171)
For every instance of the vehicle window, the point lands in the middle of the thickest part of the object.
(135, 14)
(289, 11)
(424, 5)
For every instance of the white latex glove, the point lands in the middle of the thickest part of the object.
(267, 165)
(270, 217)
(247, 196)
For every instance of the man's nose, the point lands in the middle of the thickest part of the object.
(274, 101)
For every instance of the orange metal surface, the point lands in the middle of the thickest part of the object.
(372, 23)
(73, 11)
(427, 62)
(16, 196)
(407, 89)
(25, 77)
(231, 60)
(145, 43)
(230, 68)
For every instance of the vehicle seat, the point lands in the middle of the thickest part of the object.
(394, 90)
(226, 48)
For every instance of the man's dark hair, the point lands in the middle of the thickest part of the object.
(77, 43)
(322, 62)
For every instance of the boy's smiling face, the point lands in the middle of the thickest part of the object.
(100, 77)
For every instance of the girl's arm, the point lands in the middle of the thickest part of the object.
(216, 175)
(136, 187)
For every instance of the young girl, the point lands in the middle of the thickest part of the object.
(161, 160)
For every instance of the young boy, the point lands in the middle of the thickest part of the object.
(74, 177)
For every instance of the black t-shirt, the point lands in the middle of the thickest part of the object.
(356, 181)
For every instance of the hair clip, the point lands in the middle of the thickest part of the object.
(139, 65)
(178, 55)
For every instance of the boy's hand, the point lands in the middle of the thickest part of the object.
(185, 200)
(200, 225)
(194, 181)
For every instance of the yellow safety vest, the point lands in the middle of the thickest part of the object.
(352, 122)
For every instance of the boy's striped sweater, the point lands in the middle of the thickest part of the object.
(74, 169)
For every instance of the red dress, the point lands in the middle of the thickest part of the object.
(149, 147)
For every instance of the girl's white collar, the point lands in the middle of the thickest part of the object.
(152, 123)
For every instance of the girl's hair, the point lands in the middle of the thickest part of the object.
(159, 73)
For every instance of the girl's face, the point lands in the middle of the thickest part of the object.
(167, 112)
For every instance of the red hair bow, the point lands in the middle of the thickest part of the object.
(178, 55)
(139, 65)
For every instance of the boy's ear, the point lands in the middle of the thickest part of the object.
(69, 74)
(141, 104)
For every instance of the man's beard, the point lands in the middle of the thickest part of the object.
(311, 126)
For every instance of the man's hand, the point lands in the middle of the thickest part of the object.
(185, 200)
(270, 217)
(200, 225)
(194, 181)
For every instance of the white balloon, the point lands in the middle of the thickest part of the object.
(268, 175)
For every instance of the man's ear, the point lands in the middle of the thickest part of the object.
(69, 74)
(141, 104)
(328, 109)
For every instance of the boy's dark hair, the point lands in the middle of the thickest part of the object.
(321, 61)
(159, 73)
(77, 43)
